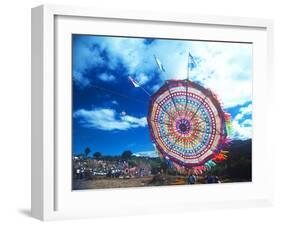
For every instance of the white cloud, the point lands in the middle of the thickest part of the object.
(242, 128)
(130, 51)
(151, 154)
(154, 88)
(225, 68)
(107, 119)
(244, 111)
(135, 122)
(86, 55)
(241, 131)
(80, 80)
(114, 102)
(142, 78)
(106, 77)
(247, 123)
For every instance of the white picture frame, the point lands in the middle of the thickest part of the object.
(52, 197)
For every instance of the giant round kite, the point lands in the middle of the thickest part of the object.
(188, 125)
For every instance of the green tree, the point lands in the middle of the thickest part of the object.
(126, 154)
(87, 151)
(97, 155)
(133, 162)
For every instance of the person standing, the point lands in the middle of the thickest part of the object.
(191, 179)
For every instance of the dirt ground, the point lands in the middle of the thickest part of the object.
(100, 182)
(104, 182)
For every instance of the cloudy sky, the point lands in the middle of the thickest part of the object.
(109, 113)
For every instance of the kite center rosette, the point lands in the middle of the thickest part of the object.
(187, 124)
(183, 126)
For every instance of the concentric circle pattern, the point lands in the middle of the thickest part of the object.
(186, 123)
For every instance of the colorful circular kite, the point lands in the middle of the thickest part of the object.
(187, 124)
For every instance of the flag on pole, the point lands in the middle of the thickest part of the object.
(191, 62)
(159, 64)
(135, 83)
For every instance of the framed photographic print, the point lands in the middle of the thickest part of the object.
(152, 112)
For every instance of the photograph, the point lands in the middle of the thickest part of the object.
(160, 111)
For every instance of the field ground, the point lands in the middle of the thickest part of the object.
(104, 182)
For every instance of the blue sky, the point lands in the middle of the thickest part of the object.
(109, 113)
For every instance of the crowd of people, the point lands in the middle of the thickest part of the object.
(88, 168)
(209, 179)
